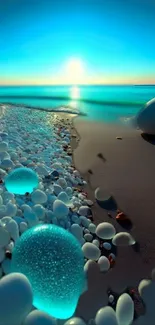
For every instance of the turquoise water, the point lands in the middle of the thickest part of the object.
(99, 103)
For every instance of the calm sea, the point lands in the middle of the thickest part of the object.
(99, 103)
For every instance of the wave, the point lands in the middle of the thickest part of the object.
(59, 109)
(84, 100)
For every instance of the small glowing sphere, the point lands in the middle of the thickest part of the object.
(21, 180)
(52, 260)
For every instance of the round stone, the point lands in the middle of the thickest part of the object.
(4, 237)
(105, 230)
(85, 211)
(57, 189)
(54, 268)
(15, 299)
(76, 230)
(7, 163)
(104, 264)
(37, 317)
(125, 309)
(107, 246)
(106, 315)
(39, 196)
(92, 228)
(60, 209)
(145, 119)
(75, 321)
(21, 180)
(91, 251)
(123, 239)
(3, 146)
(88, 237)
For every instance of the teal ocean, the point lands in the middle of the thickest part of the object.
(98, 103)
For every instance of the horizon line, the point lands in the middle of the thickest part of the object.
(74, 85)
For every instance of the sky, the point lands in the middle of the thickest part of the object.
(77, 42)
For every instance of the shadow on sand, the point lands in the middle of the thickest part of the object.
(149, 138)
(109, 204)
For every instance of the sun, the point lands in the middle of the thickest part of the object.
(75, 70)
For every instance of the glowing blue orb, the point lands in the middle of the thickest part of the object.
(52, 260)
(21, 180)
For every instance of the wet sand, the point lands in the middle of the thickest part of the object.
(124, 169)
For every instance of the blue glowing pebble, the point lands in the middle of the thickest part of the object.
(52, 260)
(21, 180)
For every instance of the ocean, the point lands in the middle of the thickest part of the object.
(98, 103)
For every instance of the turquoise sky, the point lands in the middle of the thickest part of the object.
(112, 41)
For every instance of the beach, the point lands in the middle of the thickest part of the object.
(115, 158)
(127, 174)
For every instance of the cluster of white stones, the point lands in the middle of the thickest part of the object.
(41, 141)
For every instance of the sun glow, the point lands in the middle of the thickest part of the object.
(75, 71)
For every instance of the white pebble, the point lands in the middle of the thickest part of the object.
(60, 209)
(92, 228)
(7, 163)
(125, 310)
(22, 227)
(37, 317)
(88, 237)
(11, 209)
(76, 230)
(105, 230)
(96, 242)
(4, 237)
(39, 196)
(75, 321)
(2, 255)
(12, 228)
(15, 288)
(111, 299)
(91, 251)
(106, 316)
(3, 146)
(39, 210)
(123, 239)
(104, 264)
(57, 189)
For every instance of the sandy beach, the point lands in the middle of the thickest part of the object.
(127, 174)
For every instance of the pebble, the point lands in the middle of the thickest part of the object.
(106, 315)
(7, 163)
(37, 317)
(75, 321)
(4, 237)
(105, 230)
(60, 209)
(84, 211)
(91, 251)
(107, 246)
(92, 228)
(104, 264)
(96, 242)
(15, 287)
(57, 189)
(111, 299)
(39, 197)
(3, 146)
(123, 239)
(88, 237)
(125, 310)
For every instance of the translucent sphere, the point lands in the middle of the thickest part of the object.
(52, 260)
(21, 180)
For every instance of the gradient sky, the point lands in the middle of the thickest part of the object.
(113, 39)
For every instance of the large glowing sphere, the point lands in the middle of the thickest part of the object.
(52, 260)
(21, 180)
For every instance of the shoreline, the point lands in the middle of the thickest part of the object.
(87, 140)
